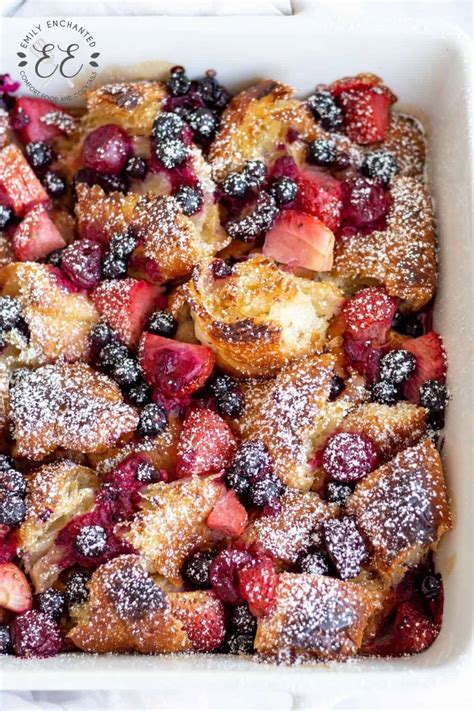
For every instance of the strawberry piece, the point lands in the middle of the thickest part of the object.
(320, 195)
(360, 82)
(204, 623)
(172, 367)
(368, 315)
(228, 516)
(366, 115)
(39, 119)
(36, 236)
(15, 592)
(413, 632)
(19, 186)
(126, 305)
(257, 585)
(431, 363)
(206, 444)
(300, 240)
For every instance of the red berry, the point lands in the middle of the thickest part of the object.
(15, 592)
(224, 574)
(20, 189)
(258, 585)
(349, 456)
(430, 363)
(36, 236)
(204, 623)
(320, 194)
(82, 263)
(365, 203)
(107, 149)
(368, 315)
(366, 114)
(228, 516)
(301, 240)
(206, 444)
(39, 119)
(35, 634)
(413, 632)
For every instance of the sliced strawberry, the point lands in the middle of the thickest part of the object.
(36, 236)
(126, 305)
(366, 115)
(204, 623)
(257, 585)
(174, 368)
(413, 632)
(431, 363)
(228, 516)
(19, 186)
(368, 315)
(300, 240)
(320, 195)
(206, 444)
(360, 82)
(39, 119)
(15, 592)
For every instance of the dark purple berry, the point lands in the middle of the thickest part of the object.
(222, 385)
(113, 267)
(162, 323)
(235, 185)
(139, 394)
(433, 396)
(136, 168)
(108, 183)
(5, 640)
(231, 404)
(10, 312)
(54, 258)
(122, 245)
(171, 152)
(315, 563)
(380, 164)
(76, 590)
(178, 84)
(112, 354)
(243, 621)
(397, 365)
(345, 546)
(134, 593)
(385, 393)
(266, 491)
(35, 634)
(325, 110)
(39, 154)
(215, 95)
(321, 152)
(153, 421)
(254, 173)
(189, 200)
(167, 125)
(127, 372)
(203, 123)
(54, 183)
(251, 463)
(12, 483)
(221, 269)
(196, 569)
(82, 263)
(337, 493)
(284, 190)
(337, 386)
(407, 324)
(100, 335)
(52, 602)
(430, 586)
(240, 643)
(91, 541)
(6, 463)
(12, 510)
(6, 215)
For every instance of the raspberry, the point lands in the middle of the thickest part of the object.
(348, 456)
(35, 634)
(106, 149)
(224, 574)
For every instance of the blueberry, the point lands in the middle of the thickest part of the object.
(433, 396)
(321, 152)
(12, 483)
(337, 386)
(338, 493)
(91, 541)
(6, 215)
(254, 173)
(136, 167)
(214, 95)
(101, 334)
(5, 640)
(252, 460)
(284, 190)
(315, 563)
(139, 393)
(243, 621)
(380, 164)
(10, 312)
(203, 123)
(189, 200)
(266, 491)
(237, 480)
(171, 152)
(430, 586)
(153, 421)
(12, 510)
(54, 183)
(112, 354)
(6, 463)
(113, 267)
(39, 154)
(231, 404)
(146, 473)
(127, 372)
(240, 643)
(167, 125)
(222, 385)
(385, 393)
(178, 84)
(108, 183)
(196, 569)
(407, 324)
(325, 110)
(76, 587)
(397, 365)
(122, 245)
(235, 185)
(162, 323)
(52, 602)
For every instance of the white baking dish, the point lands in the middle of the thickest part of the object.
(429, 70)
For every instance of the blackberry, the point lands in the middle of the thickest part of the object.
(433, 396)
(101, 335)
(162, 323)
(12, 510)
(338, 493)
(196, 569)
(55, 258)
(243, 621)
(189, 200)
(91, 541)
(430, 586)
(108, 183)
(237, 480)
(178, 84)
(240, 643)
(408, 325)
(112, 354)
(52, 602)
(231, 404)
(76, 587)
(127, 372)
(39, 154)
(265, 212)
(146, 473)
(235, 185)
(214, 95)
(315, 563)
(283, 190)
(153, 421)
(254, 173)
(221, 269)
(222, 385)
(337, 386)
(136, 167)
(6, 215)
(266, 491)
(252, 460)
(54, 183)
(321, 152)
(397, 365)
(385, 393)
(167, 125)
(325, 110)
(171, 152)
(139, 393)
(113, 267)
(10, 312)
(248, 228)
(122, 245)
(12, 483)
(203, 123)
(380, 164)
(5, 640)
(6, 463)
